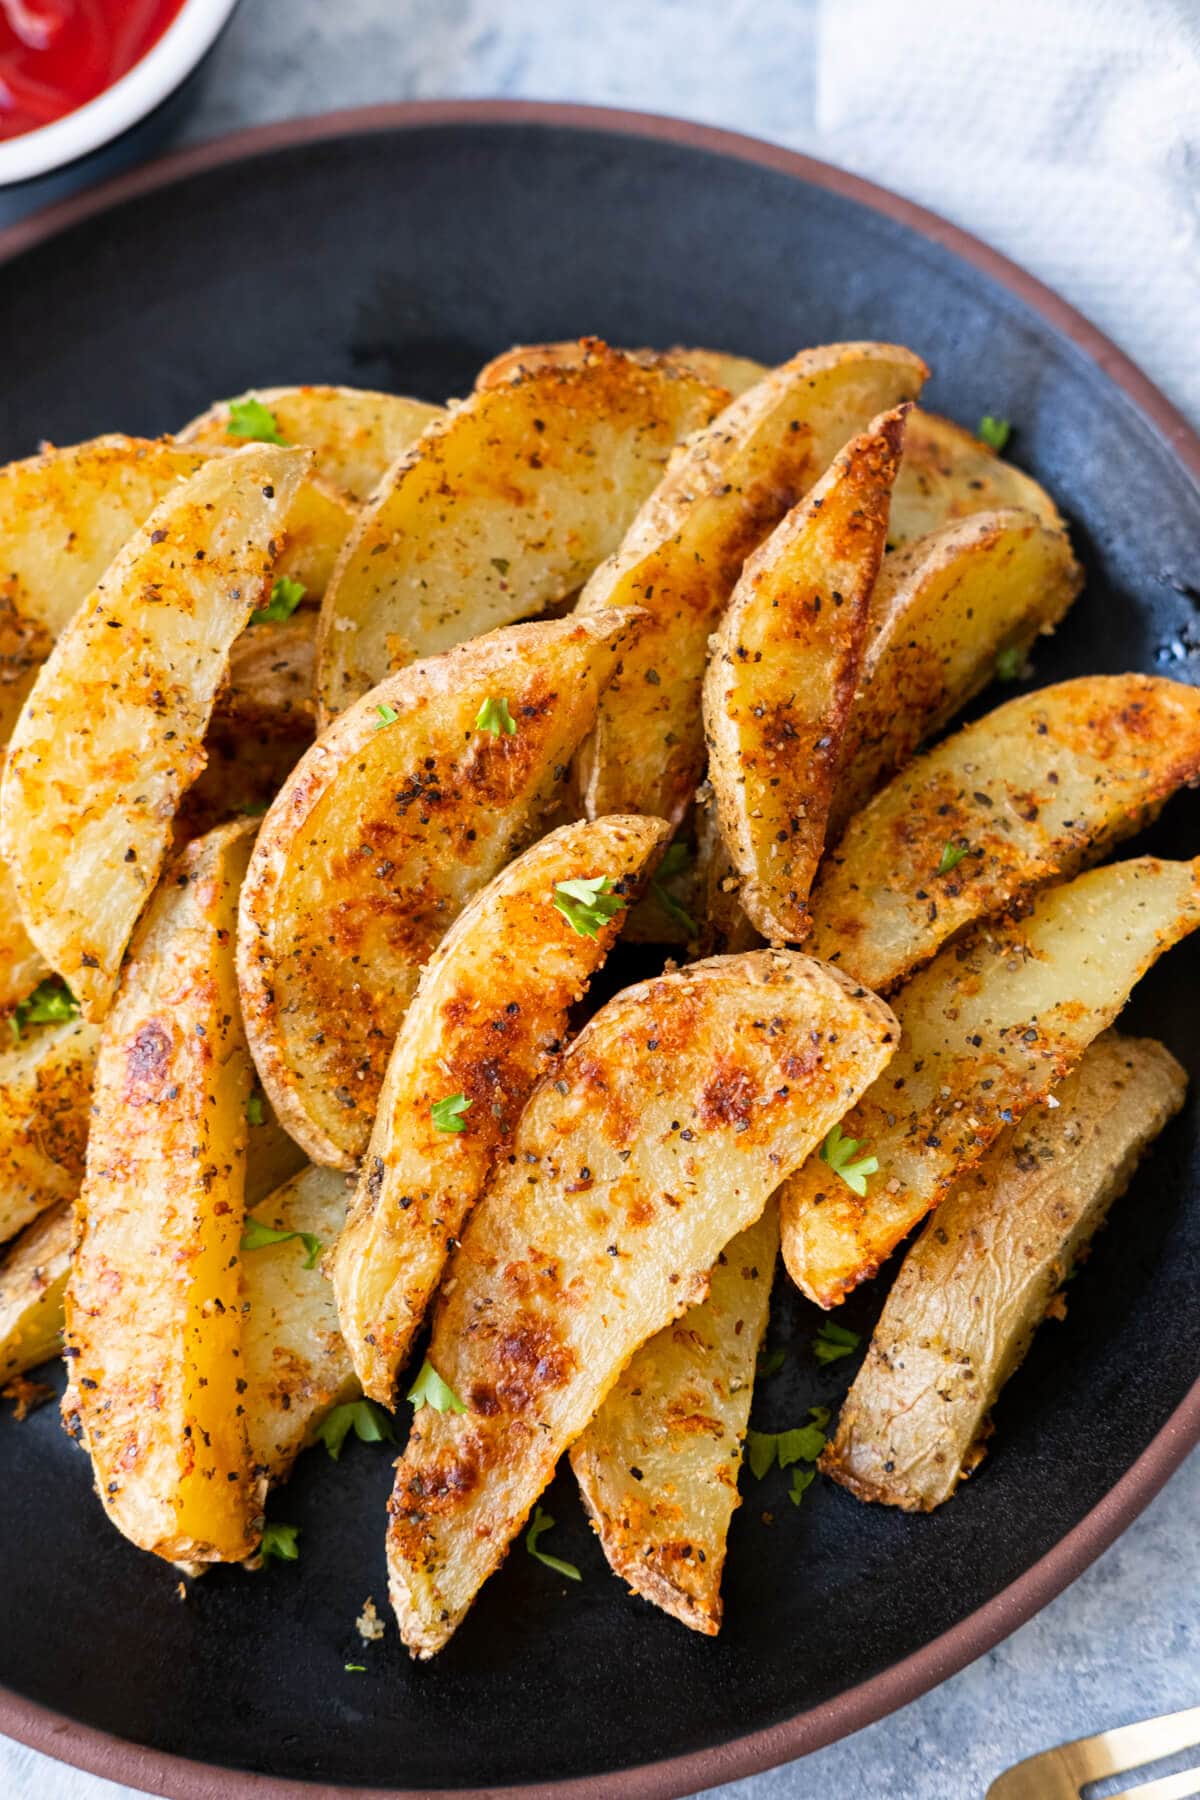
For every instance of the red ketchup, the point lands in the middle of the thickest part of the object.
(56, 55)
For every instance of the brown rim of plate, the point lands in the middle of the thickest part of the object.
(181, 1778)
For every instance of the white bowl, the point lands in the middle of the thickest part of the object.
(167, 64)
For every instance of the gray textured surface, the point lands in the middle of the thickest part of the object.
(1124, 1642)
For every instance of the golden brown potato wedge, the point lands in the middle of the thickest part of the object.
(989, 1027)
(782, 674)
(500, 509)
(942, 613)
(393, 820)
(721, 367)
(153, 1321)
(45, 1081)
(492, 1005)
(271, 674)
(22, 964)
(668, 1122)
(111, 735)
(355, 435)
(658, 1465)
(33, 1274)
(294, 1363)
(1031, 793)
(718, 368)
(682, 555)
(948, 473)
(975, 1286)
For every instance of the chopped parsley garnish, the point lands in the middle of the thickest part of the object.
(834, 1341)
(586, 905)
(286, 596)
(447, 1115)
(249, 418)
(51, 1003)
(1009, 664)
(839, 1152)
(255, 1114)
(804, 1443)
(280, 1541)
(500, 564)
(542, 1522)
(355, 1668)
(675, 862)
(430, 1390)
(387, 715)
(802, 1478)
(256, 1236)
(994, 432)
(952, 855)
(370, 1424)
(769, 1363)
(495, 717)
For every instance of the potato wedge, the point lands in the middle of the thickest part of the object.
(668, 1123)
(989, 1027)
(111, 735)
(22, 964)
(682, 556)
(975, 1286)
(45, 1082)
(718, 368)
(492, 1004)
(1034, 791)
(724, 927)
(355, 435)
(948, 473)
(942, 611)
(294, 1363)
(153, 1321)
(500, 509)
(658, 1465)
(33, 1274)
(272, 669)
(382, 834)
(782, 675)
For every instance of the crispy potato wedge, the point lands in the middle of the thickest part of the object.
(942, 611)
(976, 1285)
(45, 1081)
(492, 1005)
(111, 735)
(721, 367)
(665, 1128)
(22, 964)
(1034, 791)
(355, 435)
(948, 473)
(718, 368)
(380, 837)
(989, 1027)
(271, 672)
(724, 493)
(658, 1465)
(782, 674)
(500, 509)
(724, 927)
(294, 1363)
(153, 1321)
(33, 1274)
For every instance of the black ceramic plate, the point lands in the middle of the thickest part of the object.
(400, 250)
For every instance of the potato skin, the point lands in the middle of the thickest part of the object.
(1032, 792)
(681, 558)
(153, 1322)
(491, 1009)
(988, 1028)
(947, 473)
(782, 674)
(33, 1275)
(658, 1465)
(375, 844)
(660, 1136)
(45, 1081)
(975, 1286)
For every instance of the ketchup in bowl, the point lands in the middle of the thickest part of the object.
(56, 55)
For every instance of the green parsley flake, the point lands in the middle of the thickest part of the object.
(803, 1443)
(256, 1236)
(387, 715)
(447, 1115)
(249, 418)
(587, 905)
(1009, 664)
(495, 717)
(279, 1541)
(952, 855)
(51, 1003)
(370, 1424)
(355, 1668)
(254, 1110)
(286, 596)
(769, 1363)
(994, 432)
(542, 1522)
(430, 1390)
(801, 1480)
(838, 1152)
(834, 1341)
(500, 564)
(676, 862)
